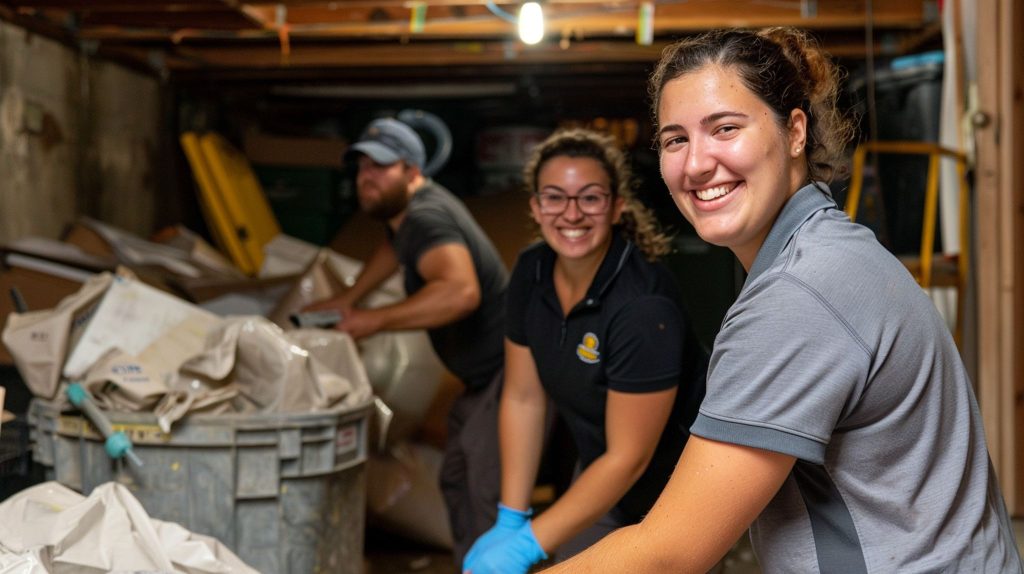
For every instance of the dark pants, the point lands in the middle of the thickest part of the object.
(471, 470)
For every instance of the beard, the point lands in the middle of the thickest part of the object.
(390, 203)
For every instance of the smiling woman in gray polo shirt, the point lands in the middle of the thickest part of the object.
(839, 422)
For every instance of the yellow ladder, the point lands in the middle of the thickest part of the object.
(924, 268)
(231, 198)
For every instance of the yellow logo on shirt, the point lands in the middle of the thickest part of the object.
(587, 350)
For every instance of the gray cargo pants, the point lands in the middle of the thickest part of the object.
(471, 469)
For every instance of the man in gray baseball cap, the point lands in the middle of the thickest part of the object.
(390, 157)
(455, 283)
(388, 140)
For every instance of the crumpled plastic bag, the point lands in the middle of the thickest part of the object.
(39, 341)
(122, 339)
(131, 317)
(286, 255)
(400, 365)
(259, 368)
(123, 382)
(51, 528)
(137, 349)
(27, 562)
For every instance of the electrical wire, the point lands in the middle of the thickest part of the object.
(500, 13)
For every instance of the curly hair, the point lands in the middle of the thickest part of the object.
(783, 66)
(638, 223)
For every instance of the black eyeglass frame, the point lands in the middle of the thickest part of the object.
(568, 199)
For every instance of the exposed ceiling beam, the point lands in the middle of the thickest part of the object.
(117, 6)
(445, 54)
(481, 29)
(138, 21)
(434, 54)
(351, 34)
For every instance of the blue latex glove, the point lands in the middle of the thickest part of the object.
(514, 555)
(509, 521)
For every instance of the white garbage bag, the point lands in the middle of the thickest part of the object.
(51, 528)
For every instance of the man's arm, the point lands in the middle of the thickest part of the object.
(450, 292)
(383, 263)
(716, 491)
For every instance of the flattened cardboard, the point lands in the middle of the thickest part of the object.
(290, 151)
(39, 290)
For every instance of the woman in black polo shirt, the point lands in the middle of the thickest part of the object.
(593, 323)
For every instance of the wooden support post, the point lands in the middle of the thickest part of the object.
(1000, 260)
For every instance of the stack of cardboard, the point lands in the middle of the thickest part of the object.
(401, 366)
(136, 348)
(42, 271)
(38, 273)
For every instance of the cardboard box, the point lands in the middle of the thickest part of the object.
(291, 151)
(505, 218)
(39, 290)
(359, 236)
(206, 288)
(129, 317)
(87, 239)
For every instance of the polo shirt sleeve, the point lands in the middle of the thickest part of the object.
(784, 368)
(645, 344)
(516, 298)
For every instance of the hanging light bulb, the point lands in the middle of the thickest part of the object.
(531, 23)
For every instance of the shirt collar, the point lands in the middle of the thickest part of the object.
(614, 261)
(807, 201)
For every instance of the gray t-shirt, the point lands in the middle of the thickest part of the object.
(473, 347)
(833, 354)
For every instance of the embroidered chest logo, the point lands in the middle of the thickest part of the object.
(587, 350)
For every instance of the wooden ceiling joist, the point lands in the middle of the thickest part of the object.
(356, 33)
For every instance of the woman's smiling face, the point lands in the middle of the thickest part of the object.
(728, 163)
(572, 233)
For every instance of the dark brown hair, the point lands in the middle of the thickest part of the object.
(786, 68)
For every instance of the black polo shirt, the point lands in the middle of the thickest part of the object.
(628, 334)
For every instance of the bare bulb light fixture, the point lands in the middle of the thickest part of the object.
(531, 23)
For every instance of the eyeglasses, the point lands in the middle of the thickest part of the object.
(590, 203)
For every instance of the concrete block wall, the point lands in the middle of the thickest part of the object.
(78, 136)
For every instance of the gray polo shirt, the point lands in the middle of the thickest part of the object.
(833, 354)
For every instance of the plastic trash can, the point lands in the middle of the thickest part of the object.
(286, 492)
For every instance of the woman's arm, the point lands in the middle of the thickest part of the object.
(520, 426)
(633, 426)
(509, 545)
(716, 491)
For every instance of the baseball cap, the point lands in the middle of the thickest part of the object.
(388, 140)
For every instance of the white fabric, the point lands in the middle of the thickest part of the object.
(50, 528)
